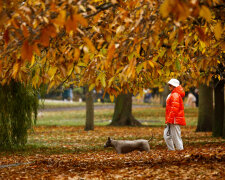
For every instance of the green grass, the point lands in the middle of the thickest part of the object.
(74, 118)
(49, 104)
(154, 116)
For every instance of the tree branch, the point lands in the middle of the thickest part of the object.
(101, 8)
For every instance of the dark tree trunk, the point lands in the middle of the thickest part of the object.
(224, 124)
(123, 112)
(205, 114)
(218, 123)
(164, 95)
(89, 125)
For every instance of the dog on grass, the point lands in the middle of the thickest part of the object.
(125, 146)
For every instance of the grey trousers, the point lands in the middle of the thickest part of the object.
(172, 136)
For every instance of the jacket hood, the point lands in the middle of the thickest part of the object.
(179, 90)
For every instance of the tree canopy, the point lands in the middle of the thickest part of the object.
(112, 44)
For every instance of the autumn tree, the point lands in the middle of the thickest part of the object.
(209, 27)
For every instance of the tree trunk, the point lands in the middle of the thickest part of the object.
(164, 95)
(89, 125)
(123, 112)
(224, 125)
(205, 114)
(218, 122)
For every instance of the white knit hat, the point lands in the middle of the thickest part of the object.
(174, 82)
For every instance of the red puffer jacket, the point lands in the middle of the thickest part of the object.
(175, 107)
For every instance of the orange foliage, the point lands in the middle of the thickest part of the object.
(113, 44)
(26, 51)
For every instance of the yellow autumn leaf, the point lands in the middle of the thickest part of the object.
(167, 72)
(172, 35)
(91, 87)
(69, 69)
(187, 40)
(32, 61)
(60, 20)
(81, 64)
(86, 58)
(108, 38)
(138, 49)
(52, 72)
(76, 54)
(110, 53)
(205, 13)
(43, 61)
(111, 81)
(219, 77)
(50, 86)
(139, 67)
(16, 67)
(159, 72)
(35, 80)
(97, 17)
(102, 79)
(77, 69)
(165, 9)
(141, 92)
(120, 29)
(89, 44)
(145, 65)
(151, 64)
(218, 30)
(161, 89)
(111, 98)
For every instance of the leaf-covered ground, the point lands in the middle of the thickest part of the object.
(72, 153)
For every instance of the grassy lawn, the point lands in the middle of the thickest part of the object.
(153, 116)
(50, 121)
(51, 124)
(49, 104)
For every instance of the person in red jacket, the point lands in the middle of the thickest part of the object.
(174, 116)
